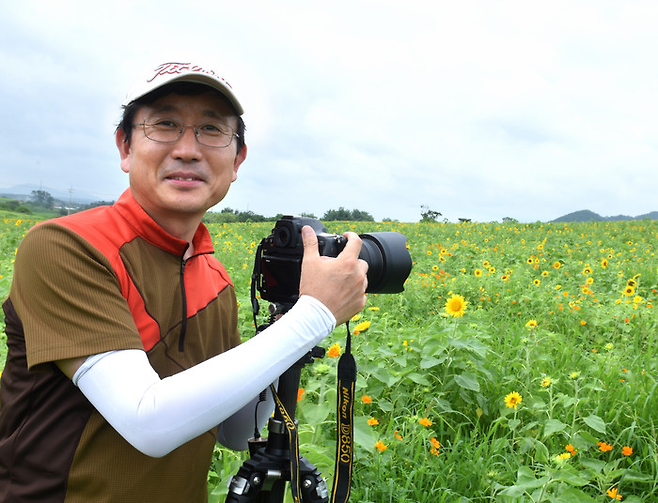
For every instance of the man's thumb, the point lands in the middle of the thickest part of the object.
(310, 240)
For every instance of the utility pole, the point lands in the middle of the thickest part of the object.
(68, 210)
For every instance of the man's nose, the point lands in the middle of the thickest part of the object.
(187, 147)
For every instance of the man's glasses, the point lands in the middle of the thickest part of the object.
(210, 134)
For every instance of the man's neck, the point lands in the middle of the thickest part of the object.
(184, 232)
(189, 252)
(179, 227)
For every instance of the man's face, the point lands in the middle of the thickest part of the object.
(180, 180)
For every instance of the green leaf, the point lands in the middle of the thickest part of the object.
(386, 376)
(573, 495)
(419, 378)
(570, 475)
(633, 499)
(384, 405)
(467, 380)
(514, 423)
(525, 481)
(588, 437)
(553, 426)
(595, 422)
(435, 347)
(635, 476)
(316, 413)
(429, 361)
(612, 470)
(444, 405)
(593, 464)
(539, 450)
(363, 435)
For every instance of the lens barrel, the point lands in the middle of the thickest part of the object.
(389, 261)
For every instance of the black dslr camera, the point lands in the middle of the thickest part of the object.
(278, 263)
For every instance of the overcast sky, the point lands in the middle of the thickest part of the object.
(476, 109)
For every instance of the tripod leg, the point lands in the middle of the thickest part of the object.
(258, 481)
(313, 486)
(263, 477)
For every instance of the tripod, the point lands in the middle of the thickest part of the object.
(263, 477)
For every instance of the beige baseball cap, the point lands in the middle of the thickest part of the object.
(166, 73)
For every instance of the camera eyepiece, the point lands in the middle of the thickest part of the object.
(282, 237)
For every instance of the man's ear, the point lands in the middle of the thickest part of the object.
(124, 149)
(239, 159)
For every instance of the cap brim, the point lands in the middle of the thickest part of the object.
(143, 88)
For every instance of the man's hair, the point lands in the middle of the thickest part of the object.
(182, 88)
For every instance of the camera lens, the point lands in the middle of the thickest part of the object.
(389, 261)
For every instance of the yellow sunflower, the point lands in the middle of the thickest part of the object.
(455, 306)
(513, 399)
(362, 327)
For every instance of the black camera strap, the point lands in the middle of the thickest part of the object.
(344, 431)
(345, 424)
(293, 442)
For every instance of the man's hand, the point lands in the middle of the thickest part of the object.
(339, 283)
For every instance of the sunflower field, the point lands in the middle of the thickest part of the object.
(519, 365)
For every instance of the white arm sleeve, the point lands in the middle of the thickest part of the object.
(158, 415)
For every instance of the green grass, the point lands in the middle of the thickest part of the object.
(548, 316)
(12, 230)
(37, 214)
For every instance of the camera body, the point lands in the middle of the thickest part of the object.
(278, 266)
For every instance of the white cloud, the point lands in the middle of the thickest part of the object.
(477, 109)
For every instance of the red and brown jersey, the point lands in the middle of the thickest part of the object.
(101, 280)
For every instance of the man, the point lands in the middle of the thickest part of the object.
(124, 361)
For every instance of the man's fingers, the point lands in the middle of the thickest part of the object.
(353, 245)
(340, 282)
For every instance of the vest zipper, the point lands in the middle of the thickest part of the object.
(183, 327)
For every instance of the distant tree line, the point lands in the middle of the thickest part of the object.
(229, 215)
(43, 203)
(350, 215)
(14, 205)
(41, 200)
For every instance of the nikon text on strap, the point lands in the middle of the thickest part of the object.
(345, 424)
(344, 431)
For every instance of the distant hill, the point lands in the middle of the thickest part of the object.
(590, 216)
